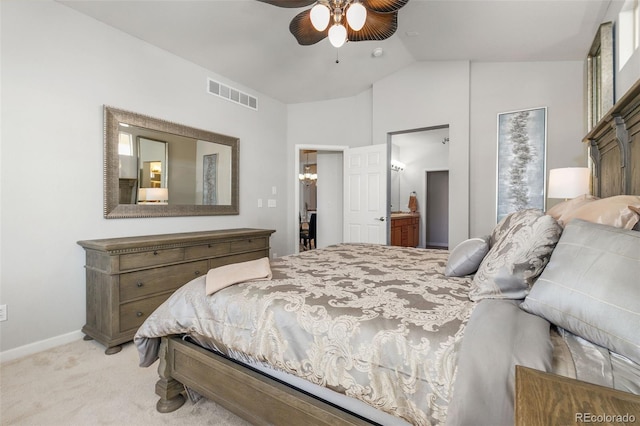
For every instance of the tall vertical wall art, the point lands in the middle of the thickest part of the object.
(522, 140)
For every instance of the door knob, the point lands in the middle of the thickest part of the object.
(381, 218)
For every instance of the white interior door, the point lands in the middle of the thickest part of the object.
(365, 194)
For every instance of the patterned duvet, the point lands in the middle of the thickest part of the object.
(381, 324)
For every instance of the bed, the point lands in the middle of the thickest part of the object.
(365, 334)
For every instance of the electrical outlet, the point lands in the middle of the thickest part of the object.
(3, 312)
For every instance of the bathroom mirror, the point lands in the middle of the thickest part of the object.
(155, 168)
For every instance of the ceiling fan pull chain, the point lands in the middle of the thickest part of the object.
(337, 56)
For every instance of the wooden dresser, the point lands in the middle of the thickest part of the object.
(128, 278)
(405, 229)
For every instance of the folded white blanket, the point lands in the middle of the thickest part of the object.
(224, 276)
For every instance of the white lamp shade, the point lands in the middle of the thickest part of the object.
(568, 182)
(153, 194)
(320, 16)
(337, 35)
(356, 16)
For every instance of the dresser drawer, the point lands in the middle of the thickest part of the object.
(141, 283)
(207, 250)
(150, 258)
(249, 244)
(237, 258)
(133, 314)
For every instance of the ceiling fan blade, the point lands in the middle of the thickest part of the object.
(303, 30)
(384, 6)
(378, 26)
(289, 3)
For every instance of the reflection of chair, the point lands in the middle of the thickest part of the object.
(304, 232)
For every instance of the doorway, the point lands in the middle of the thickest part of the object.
(319, 194)
(414, 153)
(437, 209)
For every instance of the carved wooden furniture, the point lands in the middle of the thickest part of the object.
(405, 229)
(545, 399)
(614, 145)
(128, 278)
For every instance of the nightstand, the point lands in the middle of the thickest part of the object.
(549, 399)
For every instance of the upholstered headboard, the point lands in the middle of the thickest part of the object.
(614, 145)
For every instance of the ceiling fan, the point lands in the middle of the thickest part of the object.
(342, 20)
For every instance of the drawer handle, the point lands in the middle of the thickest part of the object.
(155, 252)
(140, 284)
(139, 314)
(208, 245)
(197, 273)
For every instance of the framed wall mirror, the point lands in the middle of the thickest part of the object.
(155, 168)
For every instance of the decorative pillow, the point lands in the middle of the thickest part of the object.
(591, 286)
(568, 206)
(612, 211)
(523, 244)
(465, 258)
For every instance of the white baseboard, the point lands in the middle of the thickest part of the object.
(40, 346)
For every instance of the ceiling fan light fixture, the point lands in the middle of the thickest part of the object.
(320, 16)
(337, 35)
(356, 16)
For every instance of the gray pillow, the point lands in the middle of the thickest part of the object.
(591, 286)
(521, 245)
(465, 258)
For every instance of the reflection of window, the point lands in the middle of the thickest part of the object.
(628, 30)
(636, 26)
(600, 73)
(125, 144)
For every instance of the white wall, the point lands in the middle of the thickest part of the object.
(58, 69)
(337, 122)
(468, 98)
(502, 87)
(429, 94)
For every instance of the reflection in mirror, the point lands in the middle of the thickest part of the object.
(158, 168)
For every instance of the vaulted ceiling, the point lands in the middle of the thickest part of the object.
(249, 41)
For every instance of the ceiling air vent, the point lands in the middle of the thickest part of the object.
(231, 94)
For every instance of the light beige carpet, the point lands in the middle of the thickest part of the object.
(77, 384)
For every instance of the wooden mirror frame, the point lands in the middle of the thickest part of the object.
(112, 207)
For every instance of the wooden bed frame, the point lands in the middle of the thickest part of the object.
(254, 396)
(614, 145)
